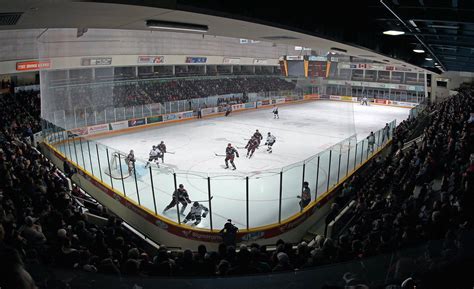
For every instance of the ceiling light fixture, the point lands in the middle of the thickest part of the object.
(394, 32)
(176, 26)
(429, 58)
(418, 49)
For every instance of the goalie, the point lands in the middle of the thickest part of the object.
(197, 211)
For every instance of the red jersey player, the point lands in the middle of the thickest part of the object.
(230, 153)
(258, 136)
(251, 146)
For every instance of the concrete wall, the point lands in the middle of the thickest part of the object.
(456, 78)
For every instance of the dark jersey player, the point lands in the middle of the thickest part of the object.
(258, 136)
(251, 146)
(179, 196)
(230, 153)
(162, 148)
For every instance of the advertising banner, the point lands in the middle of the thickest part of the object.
(151, 59)
(280, 100)
(238, 106)
(119, 125)
(179, 115)
(33, 65)
(265, 102)
(190, 59)
(346, 98)
(186, 114)
(27, 87)
(297, 57)
(381, 101)
(250, 105)
(402, 103)
(334, 97)
(92, 61)
(98, 128)
(324, 96)
(311, 96)
(153, 119)
(208, 111)
(317, 58)
(228, 60)
(77, 131)
(136, 122)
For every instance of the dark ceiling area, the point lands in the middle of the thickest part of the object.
(444, 29)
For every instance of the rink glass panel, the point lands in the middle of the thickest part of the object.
(258, 199)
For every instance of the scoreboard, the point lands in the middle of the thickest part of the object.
(317, 69)
(308, 66)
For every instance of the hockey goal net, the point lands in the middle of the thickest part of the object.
(118, 168)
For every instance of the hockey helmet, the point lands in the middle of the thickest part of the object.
(162, 142)
(154, 147)
(196, 204)
(229, 144)
(269, 133)
(181, 185)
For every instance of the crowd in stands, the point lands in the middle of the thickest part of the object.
(182, 89)
(41, 223)
(398, 205)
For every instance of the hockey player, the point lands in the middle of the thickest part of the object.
(228, 110)
(197, 210)
(270, 141)
(258, 136)
(153, 157)
(130, 161)
(251, 146)
(230, 153)
(275, 112)
(365, 100)
(180, 195)
(162, 148)
(371, 141)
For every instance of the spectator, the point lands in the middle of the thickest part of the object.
(229, 233)
(305, 196)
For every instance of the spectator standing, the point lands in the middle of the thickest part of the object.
(305, 196)
(229, 233)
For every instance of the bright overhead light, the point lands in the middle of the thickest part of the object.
(429, 58)
(176, 26)
(393, 32)
(418, 49)
(412, 23)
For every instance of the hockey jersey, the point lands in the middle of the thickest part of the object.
(198, 210)
(181, 195)
(230, 151)
(271, 139)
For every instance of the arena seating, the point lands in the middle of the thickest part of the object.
(413, 195)
(180, 89)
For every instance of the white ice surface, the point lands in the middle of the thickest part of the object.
(303, 130)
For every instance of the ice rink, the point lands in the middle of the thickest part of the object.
(302, 131)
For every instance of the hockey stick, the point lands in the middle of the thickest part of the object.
(217, 155)
(241, 147)
(171, 153)
(201, 201)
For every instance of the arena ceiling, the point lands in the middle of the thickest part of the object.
(444, 27)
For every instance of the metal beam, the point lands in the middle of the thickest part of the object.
(416, 36)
